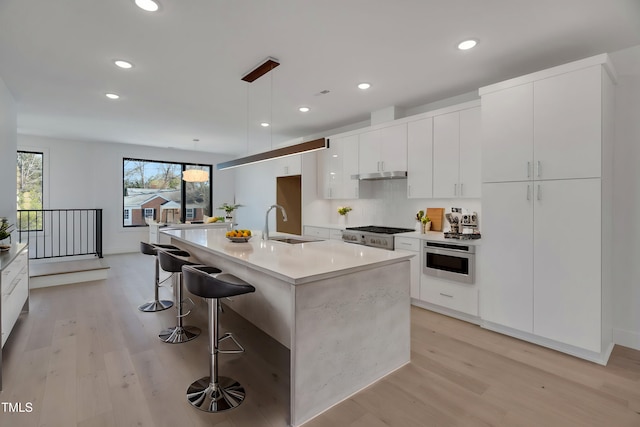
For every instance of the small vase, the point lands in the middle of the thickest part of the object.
(418, 227)
(426, 227)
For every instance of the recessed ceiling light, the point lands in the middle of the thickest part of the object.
(304, 109)
(264, 124)
(123, 64)
(148, 5)
(467, 44)
(364, 86)
(112, 95)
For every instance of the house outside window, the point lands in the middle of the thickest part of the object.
(155, 189)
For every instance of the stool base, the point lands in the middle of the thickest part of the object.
(157, 305)
(228, 395)
(179, 334)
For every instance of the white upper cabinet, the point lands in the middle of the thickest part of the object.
(567, 125)
(336, 167)
(287, 166)
(383, 149)
(550, 128)
(456, 154)
(507, 128)
(420, 158)
(446, 154)
(470, 153)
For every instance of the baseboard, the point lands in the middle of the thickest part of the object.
(67, 278)
(446, 311)
(592, 356)
(626, 338)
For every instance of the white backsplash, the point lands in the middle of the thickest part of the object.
(389, 206)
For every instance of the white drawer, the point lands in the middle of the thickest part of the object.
(12, 270)
(13, 300)
(407, 244)
(322, 233)
(456, 296)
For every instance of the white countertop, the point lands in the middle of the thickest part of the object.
(292, 263)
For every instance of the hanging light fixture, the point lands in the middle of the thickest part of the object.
(195, 175)
(318, 144)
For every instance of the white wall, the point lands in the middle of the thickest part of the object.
(8, 143)
(88, 175)
(626, 199)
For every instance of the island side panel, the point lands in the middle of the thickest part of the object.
(349, 332)
(268, 308)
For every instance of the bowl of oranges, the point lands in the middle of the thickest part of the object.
(238, 236)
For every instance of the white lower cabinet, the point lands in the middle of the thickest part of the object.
(14, 283)
(542, 259)
(411, 245)
(323, 232)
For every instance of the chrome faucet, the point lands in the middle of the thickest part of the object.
(265, 232)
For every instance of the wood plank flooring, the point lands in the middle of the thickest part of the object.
(85, 356)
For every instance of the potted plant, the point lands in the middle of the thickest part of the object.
(228, 209)
(343, 211)
(5, 232)
(424, 222)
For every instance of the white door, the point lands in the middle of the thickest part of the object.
(446, 155)
(567, 253)
(369, 152)
(567, 125)
(420, 158)
(507, 134)
(393, 148)
(350, 186)
(470, 153)
(506, 255)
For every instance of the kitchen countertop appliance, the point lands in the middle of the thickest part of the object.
(371, 235)
(463, 225)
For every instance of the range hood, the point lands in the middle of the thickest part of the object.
(374, 176)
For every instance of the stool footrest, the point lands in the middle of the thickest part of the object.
(226, 336)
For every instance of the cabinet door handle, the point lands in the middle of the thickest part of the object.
(461, 188)
(409, 189)
(455, 189)
(538, 169)
(446, 295)
(539, 193)
(382, 165)
(528, 169)
(528, 192)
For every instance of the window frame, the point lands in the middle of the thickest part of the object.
(183, 185)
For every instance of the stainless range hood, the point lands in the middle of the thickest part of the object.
(374, 176)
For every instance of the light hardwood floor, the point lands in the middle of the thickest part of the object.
(85, 356)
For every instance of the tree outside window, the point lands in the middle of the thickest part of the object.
(29, 189)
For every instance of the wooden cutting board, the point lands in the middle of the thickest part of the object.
(437, 216)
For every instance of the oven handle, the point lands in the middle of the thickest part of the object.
(449, 252)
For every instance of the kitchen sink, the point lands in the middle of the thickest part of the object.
(294, 240)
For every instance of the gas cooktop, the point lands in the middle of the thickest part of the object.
(380, 230)
(372, 235)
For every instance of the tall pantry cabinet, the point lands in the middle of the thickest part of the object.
(546, 204)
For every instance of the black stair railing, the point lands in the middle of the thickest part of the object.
(55, 233)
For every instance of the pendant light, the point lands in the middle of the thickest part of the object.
(265, 67)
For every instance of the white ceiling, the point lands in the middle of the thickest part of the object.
(56, 58)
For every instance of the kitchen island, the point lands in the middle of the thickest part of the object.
(341, 309)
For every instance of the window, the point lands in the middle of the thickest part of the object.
(29, 190)
(155, 189)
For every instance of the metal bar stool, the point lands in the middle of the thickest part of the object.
(214, 393)
(157, 304)
(172, 261)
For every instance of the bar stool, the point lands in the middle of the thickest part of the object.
(214, 393)
(157, 304)
(172, 261)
